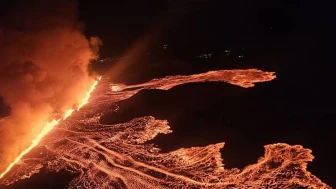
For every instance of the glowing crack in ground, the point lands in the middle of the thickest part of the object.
(49, 126)
(116, 156)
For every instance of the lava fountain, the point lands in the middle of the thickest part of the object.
(47, 128)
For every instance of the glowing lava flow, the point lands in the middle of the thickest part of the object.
(121, 155)
(87, 96)
(68, 113)
(48, 127)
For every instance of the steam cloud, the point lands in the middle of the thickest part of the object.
(44, 59)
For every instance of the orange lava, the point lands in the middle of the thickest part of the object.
(68, 113)
(120, 155)
(85, 100)
(46, 129)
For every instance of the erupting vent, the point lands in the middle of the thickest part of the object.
(116, 156)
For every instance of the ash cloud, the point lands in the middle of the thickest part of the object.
(44, 58)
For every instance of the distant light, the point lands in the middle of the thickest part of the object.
(204, 55)
(227, 52)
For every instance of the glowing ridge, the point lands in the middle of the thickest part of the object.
(46, 129)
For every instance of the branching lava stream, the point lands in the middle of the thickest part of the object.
(116, 156)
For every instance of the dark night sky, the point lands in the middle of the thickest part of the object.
(293, 38)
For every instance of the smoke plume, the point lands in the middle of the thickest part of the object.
(44, 59)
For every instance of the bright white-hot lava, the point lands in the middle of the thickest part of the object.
(47, 128)
(68, 113)
(85, 100)
(118, 155)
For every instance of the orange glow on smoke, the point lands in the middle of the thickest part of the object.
(47, 128)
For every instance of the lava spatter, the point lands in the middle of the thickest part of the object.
(46, 129)
(116, 156)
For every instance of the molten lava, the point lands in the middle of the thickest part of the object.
(85, 100)
(119, 155)
(47, 128)
(68, 113)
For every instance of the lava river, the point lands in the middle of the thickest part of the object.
(116, 156)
